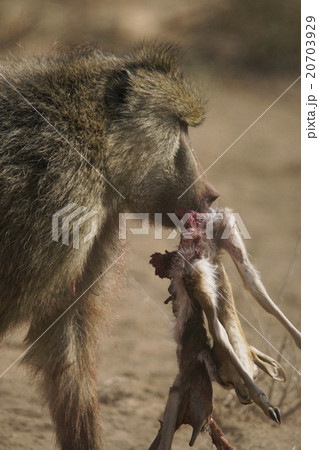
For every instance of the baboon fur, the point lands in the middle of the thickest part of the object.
(74, 125)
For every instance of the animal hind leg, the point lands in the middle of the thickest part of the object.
(235, 246)
(249, 356)
(228, 317)
(203, 290)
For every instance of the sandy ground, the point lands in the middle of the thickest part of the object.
(259, 178)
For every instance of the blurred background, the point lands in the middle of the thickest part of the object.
(245, 54)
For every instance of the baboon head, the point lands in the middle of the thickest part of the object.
(151, 107)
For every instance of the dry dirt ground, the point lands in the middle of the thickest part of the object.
(259, 178)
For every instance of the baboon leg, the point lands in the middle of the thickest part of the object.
(12, 313)
(7, 321)
(64, 360)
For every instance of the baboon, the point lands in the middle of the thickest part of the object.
(86, 128)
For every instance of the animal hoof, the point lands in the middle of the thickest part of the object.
(195, 433)
(274, 414)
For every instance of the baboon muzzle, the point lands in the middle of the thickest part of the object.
(209, 195)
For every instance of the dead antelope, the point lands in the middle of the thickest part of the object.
(199, 284)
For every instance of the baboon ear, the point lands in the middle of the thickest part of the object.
(117, 90)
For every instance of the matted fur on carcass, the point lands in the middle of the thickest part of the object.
(201, 293)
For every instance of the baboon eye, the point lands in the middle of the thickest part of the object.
(185, 146)
(185, 141)
(184, 127)
(179, 156)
